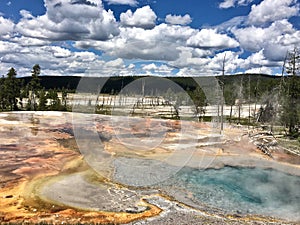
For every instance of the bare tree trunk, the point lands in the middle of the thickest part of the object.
(249, 100)
(239, 120)
(230, 114)
(222, 97)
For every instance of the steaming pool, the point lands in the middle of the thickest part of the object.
(256, 191)
(233, 190)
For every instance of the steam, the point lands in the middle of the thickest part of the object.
(265, 192)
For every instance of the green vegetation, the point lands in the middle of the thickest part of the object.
(13, 92)
(274, 100)
(290, 116)
(10, 91)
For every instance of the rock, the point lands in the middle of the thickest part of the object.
(104, 136)
(9, 196)
(136, 209)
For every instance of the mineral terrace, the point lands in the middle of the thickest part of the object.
(47, 174)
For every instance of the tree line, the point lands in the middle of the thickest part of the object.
(278, 99)
(275, 99)
(15, 95)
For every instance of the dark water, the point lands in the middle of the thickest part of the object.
(259, 191)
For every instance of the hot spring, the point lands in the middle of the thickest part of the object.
(255, 191)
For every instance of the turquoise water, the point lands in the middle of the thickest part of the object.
(258, 191)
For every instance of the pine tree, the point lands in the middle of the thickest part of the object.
(199, 100)
(34, 87)
(2, 94)
(64, 98)
(12, 89)
(291, 95)
(42, 100)
(55, 103)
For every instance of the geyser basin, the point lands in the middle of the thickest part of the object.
(258, 191)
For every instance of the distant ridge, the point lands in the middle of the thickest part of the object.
(115, 84)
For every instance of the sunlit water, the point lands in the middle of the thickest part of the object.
(266, 192)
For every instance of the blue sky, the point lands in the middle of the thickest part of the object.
(153, 37)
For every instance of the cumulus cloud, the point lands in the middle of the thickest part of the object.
(7, 28)
(7, 47)
(259, 63)
(260, 70)
(178, 20)
(58, 52)
(117, 63)
(69, 20)
(275, 39)
(209, 38)
(187, 59)
(257, 59)
(232, 62)
(29, 41)
(290, 39)
(143, 17)
(137, 37)
(272, 10)
(159, 43)
(232, 3)
(153, 69)
(122, 2)
(56, 60)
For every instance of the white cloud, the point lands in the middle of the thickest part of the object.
(232, 62)
(7, 47)
(272, 10)
(54, 60)
(117, 63)
(258, 63)
(96, 2)
(143, 17)
(28, 41)
(252, 38)
(227, 26)
(151, 66)
(7, 27)
(256, 59)
(275, 39)
(260, 70)
(186, 59)
(290, 39)
(153, 69)
(26, 14)
(227, 4)
(178, 20)
(122, 2)
(232, 3)
(159, 43)
(208, 38)
(138, 37)
(65, 20)
(208, 65)
(131, 66)
(58, 52)
(60, 61)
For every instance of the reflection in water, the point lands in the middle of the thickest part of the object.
(245, 190)
(34, 122)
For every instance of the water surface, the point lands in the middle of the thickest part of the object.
(266, 192)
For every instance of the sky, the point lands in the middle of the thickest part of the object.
(147, 37)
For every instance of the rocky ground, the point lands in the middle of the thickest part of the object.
(42, 152)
